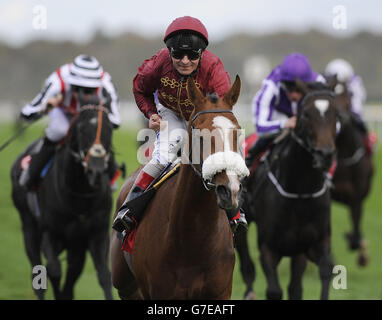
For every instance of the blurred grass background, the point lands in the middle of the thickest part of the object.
(15, 270)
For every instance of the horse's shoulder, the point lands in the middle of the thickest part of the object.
(276, 150)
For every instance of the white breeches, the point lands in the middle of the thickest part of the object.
(58, 125)
(171, 139)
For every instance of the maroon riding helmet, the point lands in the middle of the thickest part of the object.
(186, 33)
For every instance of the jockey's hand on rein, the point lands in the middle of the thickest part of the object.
(156, 123)
(31, 117)
(52, 103)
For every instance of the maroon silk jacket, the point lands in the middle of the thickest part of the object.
(158, 73)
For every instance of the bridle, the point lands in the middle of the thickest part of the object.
(208, 185)
(312, 150)
(97, 149)
(306, 143)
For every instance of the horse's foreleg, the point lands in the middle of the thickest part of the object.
(298, 265)
(325, 266)
(76, 261)
(269, 262)
(247, 267)
(53, 265)
(32, 243)
(99, 249)
(122, 278)
(354, 237)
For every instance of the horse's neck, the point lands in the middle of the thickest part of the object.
(194, 209)
(348, 141)
(293, 168)
(74, 172)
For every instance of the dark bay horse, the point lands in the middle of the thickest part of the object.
(288, 197)
(74, 203)
(354, 171)
(184, 244)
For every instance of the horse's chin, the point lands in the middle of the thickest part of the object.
(93, 180)
(321, 163)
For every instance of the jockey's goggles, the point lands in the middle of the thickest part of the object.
(191, 54)
(290, 86)
(85, 90)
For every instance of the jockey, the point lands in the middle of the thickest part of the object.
(85, 75)
(275, 106)
(160, 93)
(345, 74)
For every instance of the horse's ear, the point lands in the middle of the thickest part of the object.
(332, 82)
(233, 94)
(194, 94)
(302, 86)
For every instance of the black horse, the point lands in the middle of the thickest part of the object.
(354, 171)
(74, 203)
(288, 197)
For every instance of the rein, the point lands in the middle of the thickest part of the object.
(208, 185)
(327, 184)
(354, 159)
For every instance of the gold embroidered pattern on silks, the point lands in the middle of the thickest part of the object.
(185, 105)
(171, 98)
(166, 81)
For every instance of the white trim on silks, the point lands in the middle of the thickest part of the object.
(286, 194)
(220, 161)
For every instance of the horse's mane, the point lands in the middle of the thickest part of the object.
(213, 97)
(318, 86)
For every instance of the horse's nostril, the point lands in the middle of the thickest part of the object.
(223, 192)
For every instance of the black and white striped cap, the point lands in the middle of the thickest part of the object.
(85, 71)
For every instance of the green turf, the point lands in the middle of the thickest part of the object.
(15, 278)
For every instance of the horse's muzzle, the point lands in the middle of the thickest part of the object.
(323, 158)
(96, 167)
(228, 196)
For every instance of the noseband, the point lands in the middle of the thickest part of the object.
(207, 184)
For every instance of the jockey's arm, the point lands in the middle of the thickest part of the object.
(219, 79)
(262, 110)
(112, 100)
(358, 96)
(47, 98)
(145, 84)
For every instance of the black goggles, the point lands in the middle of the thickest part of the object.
(191, 54)
(84, 90)
(290, 86)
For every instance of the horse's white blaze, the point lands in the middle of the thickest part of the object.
(234, 182)
(227, 160)
(322, 105)
(224, 125)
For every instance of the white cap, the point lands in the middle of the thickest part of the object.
(85, 71)
(341, 68)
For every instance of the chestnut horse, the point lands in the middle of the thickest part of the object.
(352, 178)
(288, 196)
(184, 244)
